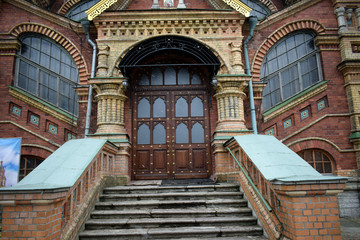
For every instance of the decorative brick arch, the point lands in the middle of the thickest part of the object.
(36, 150)
(269, 4)
(57, 37)
(276, 36)
(317, 143)
(68, 4)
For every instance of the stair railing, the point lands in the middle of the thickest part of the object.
(85, 190)
(269, 218)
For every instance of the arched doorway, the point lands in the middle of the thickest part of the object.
(170, 84)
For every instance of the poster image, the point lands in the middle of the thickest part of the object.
(9, 161)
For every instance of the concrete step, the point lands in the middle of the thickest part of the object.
(171, 196)
(130, 223)
(152, 204)
(186, 212)
(168, 213)
(172, 233)
(223, 187)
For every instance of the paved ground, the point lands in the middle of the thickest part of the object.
(350, 228)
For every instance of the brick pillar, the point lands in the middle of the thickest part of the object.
(31, 215)
(230, 98)
(309, 211)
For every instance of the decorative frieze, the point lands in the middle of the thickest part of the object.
(145, 24)
(98, 8)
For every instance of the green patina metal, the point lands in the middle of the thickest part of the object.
(354, 135)
(251, 182)
(62, 168)
(277, 162)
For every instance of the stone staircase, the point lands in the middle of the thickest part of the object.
(212, 211)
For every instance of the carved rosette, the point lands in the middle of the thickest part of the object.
(230, 102)
(111, 99)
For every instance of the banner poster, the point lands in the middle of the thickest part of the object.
(9, 161)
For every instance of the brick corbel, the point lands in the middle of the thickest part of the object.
(9, 46)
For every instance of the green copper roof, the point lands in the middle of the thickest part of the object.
(62, 168)
(277, 162)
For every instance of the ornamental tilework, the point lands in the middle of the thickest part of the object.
(34, 120)
(71, 136)
(321, 105)
(304, 114)
(53, 129)
(287, 123)
(16, 110)
(271, 132)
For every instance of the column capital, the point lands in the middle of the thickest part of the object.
(111, 98)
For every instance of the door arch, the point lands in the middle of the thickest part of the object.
(169, 79)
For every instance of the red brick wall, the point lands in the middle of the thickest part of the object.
(334, 129)
(7, 68)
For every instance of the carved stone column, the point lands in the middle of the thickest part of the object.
(357, 14)
(236, 57)
(111, 98)
(340, 14)
(230, 101)
(181, 4)
(155, 4)
(103, 54)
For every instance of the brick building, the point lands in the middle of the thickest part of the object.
(169, 82)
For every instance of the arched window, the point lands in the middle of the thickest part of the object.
(289, 67)
(47, 70)
(77, 13)
(319, 160)
(27, 164)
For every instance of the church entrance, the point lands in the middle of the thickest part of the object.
(171, 132)
(169, 87)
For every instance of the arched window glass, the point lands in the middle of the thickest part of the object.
(47, 70)
(197, 108)
(181, 108)
(159, 108)
(159, 134)
(77, 13)
(183, 77)
(170, 76)
(144, 108)
(197, 133)
(289, 67)
(318, 159)
(182, 133)
(143, 134)
(156, 77)
(144, 80)
(195, 79)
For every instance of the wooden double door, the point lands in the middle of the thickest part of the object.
(171, 134)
